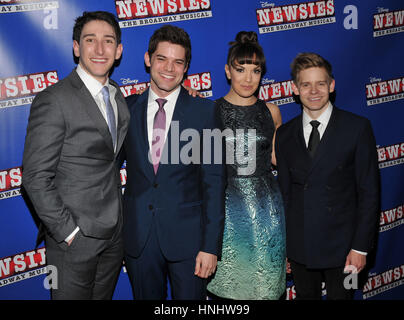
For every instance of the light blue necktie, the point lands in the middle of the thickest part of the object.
(110, 114)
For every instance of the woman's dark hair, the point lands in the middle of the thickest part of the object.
(246, 50)
(96, 15)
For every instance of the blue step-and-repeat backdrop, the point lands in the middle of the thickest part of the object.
(363, 40)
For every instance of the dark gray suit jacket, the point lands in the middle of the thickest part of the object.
(70, 171)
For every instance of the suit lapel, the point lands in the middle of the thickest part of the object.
(300, 138)
(123, 118)
(140, 112)
(175, 131)
(326, 139)
(89, 105)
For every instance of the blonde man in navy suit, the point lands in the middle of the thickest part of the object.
(328, 173)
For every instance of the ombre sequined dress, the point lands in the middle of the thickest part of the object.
(252, 266)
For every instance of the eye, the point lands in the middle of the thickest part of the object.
(239, 69)
(257, 71)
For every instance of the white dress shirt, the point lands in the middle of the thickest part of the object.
(95, 87)
(152, 108)
(324, 118)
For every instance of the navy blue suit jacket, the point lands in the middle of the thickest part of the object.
(186, 201)
(332, 200)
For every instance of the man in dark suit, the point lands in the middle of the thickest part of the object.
(174, 198)
(75, 131)
(328, 174)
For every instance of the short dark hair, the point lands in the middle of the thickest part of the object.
(246, 50)
(96, 15)
(308, 60)
(173, 35)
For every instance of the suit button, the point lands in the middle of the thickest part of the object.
(155, 185)
(150, 207)
(306, 186)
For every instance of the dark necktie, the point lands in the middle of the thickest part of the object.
(314, 139)
(159, 128)
(110, 114)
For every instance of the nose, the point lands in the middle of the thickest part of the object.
(99, 48)
(169, 66)
(314, 89)
(248, 77)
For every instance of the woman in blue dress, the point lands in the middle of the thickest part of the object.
(252, 265)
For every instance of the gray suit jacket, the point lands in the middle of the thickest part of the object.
(70, 170)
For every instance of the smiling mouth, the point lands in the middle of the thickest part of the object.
(166, 76)
(102, 60)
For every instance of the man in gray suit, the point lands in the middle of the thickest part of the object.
(70, 170)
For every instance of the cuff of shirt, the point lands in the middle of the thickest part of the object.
(360, 252)
(72, 234)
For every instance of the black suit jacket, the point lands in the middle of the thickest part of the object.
(332, 200)
(185, 200)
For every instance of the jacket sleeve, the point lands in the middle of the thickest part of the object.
(282, 168)
(368, 189)
(43, 147)
(213, 179)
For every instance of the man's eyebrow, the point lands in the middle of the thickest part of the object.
(93, 35)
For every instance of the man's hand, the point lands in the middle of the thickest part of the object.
(70, 241)
(355, 259)
(193, 92)
(205, 264)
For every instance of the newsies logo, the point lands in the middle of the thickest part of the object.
(135, 13)
(10, 183)
(385, 22)
(295, 16)
(381, 91)
(20, 90)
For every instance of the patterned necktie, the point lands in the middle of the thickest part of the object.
(110, 114)
(159, 128)
(314, 139)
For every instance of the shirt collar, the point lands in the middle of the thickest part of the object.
(171, 98)
(93, 85)
(323, 118)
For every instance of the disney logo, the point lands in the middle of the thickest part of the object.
(266, 81)
(374, 79)
(128, 80)
(266, 4)
(381, 9)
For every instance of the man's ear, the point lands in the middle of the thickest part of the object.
(332, 85)
(295, 88)
(76, 48)
(147, 59)
(119, 51)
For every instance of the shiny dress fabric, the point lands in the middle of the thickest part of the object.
(252, 266)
